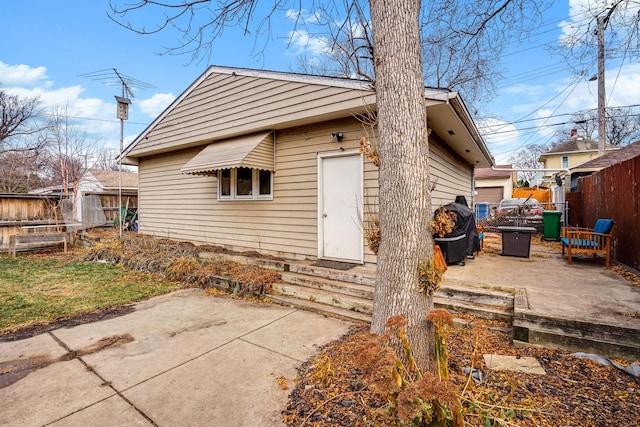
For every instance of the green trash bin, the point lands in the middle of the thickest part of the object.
(551, 225)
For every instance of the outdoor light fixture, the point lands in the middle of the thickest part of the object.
(338, 136)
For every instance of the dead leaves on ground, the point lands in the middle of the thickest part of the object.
(331, 390)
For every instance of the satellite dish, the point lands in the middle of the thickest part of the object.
(558, 181)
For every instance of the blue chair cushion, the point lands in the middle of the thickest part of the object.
(603, 226)
(584, 243)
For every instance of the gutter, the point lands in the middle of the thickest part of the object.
(567, 171)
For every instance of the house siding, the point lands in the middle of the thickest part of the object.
(185, 207)
(450, 174)
(226, 105)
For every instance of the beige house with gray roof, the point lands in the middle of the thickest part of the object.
(269, 161)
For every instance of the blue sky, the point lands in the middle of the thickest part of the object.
(48, 46)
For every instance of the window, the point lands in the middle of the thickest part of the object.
(565, 161)
(225, 182)
(264, 179)
(245, 184)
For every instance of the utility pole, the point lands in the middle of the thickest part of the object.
(602, 131)
(123, 114)
(112, 77)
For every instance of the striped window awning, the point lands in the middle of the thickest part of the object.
(251, 151)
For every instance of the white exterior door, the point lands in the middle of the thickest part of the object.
(340, 184)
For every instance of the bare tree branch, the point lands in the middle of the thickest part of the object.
(17, 117)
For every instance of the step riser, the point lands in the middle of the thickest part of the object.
(341, 276)
(342, 288)
(260, 262)
(341, 294)
(475, 297)
(339, 301)
(321, 308)
(502, 315)
(322, 284)
(493, 313)
(526, 322)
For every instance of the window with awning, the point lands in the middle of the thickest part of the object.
(254, 151)
(244, 166)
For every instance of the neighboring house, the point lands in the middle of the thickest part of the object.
(96, 181)
(494, 185)
(108, 181)
(269, 161)
(611, 158)
(567, 155)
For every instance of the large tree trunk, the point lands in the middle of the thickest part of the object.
(405, 200)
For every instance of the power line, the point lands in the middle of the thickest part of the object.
(557, 115)
(96, 120)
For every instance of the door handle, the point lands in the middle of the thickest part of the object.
(324, 215)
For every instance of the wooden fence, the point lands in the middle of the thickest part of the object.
(110, 204)
(22, 210)
(614, 193)
(18, 211)
(540, 194)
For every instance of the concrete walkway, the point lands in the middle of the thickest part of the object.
(182, 359)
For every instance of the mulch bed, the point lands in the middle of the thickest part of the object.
(330, 390)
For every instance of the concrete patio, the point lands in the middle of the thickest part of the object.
(182, 359)
(559, 304)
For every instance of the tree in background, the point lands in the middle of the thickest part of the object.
(462, 42)
(622, 126)
(21, 171)
(622, 25)
(405, 201)
(619, 20)
(527, 158)
(19, 122)
(70, 151)
(105, 159)
(22, 143)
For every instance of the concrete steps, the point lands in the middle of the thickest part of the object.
(604, 337)
(349, 295)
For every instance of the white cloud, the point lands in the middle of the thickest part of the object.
(22, 75)
(156, 104)
(498, 134)
(303, 16)
(305, 43)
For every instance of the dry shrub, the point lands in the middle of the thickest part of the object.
(179, 261)
(372, 234)
(413, 399)
(144, 253)
(182, 269)
(246, 279)
(443, 222)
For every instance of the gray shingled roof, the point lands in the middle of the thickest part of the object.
(576, 143)
(612, 157)
(488, 173)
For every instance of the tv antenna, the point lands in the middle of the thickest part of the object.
(112, 77)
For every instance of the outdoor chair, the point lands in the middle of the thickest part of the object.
(586, 240)
(480, 229)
